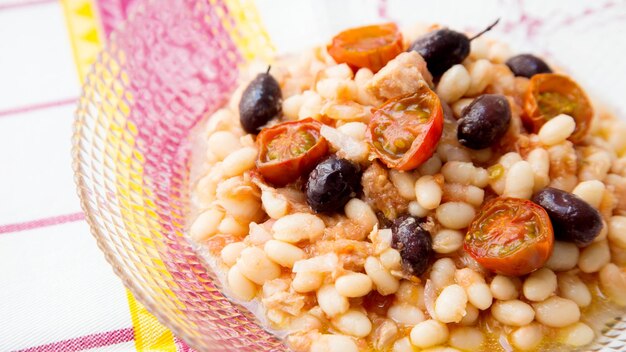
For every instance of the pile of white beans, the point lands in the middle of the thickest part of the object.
(265, 242)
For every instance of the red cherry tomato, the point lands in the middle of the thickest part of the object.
(510, 236)
(368, 46)
(289, 150)
(551, 94)
(404, 131)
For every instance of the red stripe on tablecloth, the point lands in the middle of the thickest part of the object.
(18, 4)
(86, 342)
(28, 108)
(29, 225)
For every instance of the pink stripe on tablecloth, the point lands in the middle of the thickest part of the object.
(28, 108)
(33, 224)
(86, 342)
(181, 346)
(24, 3)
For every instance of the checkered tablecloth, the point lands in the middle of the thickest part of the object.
(57, 293)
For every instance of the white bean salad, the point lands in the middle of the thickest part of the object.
(418, 189)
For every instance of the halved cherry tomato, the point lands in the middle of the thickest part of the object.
(404, 131)
(551, 94)
(289, 150)
(510, 236)
(368, 46)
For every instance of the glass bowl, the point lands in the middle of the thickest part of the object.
(174, 62)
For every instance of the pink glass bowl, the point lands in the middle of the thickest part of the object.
(171, 64)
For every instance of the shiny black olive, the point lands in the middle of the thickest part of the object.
(527, 65)
(413, 243)
(331, 184)
(260, 102)
(484, 121)
(442, 49)
(573, 219)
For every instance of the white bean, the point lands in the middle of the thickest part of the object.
(360, 212)
(613, 283)
(404, 313)
(504, 288)
(540, 284)
(527, 337)
(283, 253)
(417, 210)
(256, 266)
(459, 105)
(447, 241)
(297, 227)
(453, 84)
(539, 160)
(459, 172)
(591, 192)
(557, 130)
(557, 312)
(617, 231)
(467, 339)
(430, 166)
(230, 253)
(576, 335)
(355, 130)
(428, 192)
(353, 323)
(471, 315)
(564, 256)
(411, 293)
(331, 302)
(307, 281)
(402, 345)
(513, 312)
(240, 286)
(572, 287)
(391, 259)
(334, 343)
(450, 305)
(481, 73)
(594, 257)
(239, 161)
(442, 273)
(404, 183)
(479, 295)
(231, 226)
(222, 143)
(455, 215)
(353, 285)
(292, 105)
(519, 180)
(386, 283)
(499, 52)
(274, 205)
(429, 333)
(206, 224)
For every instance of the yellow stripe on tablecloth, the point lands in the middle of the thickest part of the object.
(85, 32)
(86, 39)
(247, 30)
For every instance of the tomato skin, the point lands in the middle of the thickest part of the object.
(367, 46)
(287, 169)
(426, 134)
(500, 240)
(582, 112)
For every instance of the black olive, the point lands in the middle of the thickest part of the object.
(413, 243)
(260, 102)
(331, 184)
(573, 219)
(484, 121)
(527, 65)
(442, 49)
